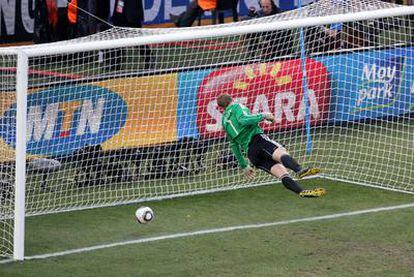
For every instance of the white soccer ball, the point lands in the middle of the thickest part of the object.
(144, 215)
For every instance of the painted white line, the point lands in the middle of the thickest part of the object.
(214, 231)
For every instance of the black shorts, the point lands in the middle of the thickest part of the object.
(260, 152)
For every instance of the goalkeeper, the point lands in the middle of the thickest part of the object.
(246, 137)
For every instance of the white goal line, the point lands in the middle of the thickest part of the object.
(213, 231)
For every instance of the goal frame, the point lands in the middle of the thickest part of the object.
(24, 53)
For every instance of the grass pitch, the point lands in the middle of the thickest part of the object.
(371, 244)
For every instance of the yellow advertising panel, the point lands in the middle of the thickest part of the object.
(7, 99)
(152, 110)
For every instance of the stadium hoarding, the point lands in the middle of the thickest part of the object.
(67, 118)
(127, 112)
(150, 120)
(274, 87)
(371, 85)
(344, 87)
(188, 85)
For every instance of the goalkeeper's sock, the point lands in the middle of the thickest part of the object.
(290, 163)
(291, 184)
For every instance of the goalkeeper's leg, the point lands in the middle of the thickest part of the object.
(281, 155)
(279, 171)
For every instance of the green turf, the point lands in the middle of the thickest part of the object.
(376, 244)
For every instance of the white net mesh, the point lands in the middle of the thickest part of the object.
(131, 123)
(7, 92)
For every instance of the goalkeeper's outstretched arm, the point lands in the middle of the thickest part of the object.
(248, 119)
(239, 156)
(245, 118)
(248, 170)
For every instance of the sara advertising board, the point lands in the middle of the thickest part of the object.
(266, 87)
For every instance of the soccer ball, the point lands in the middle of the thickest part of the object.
(144, 215)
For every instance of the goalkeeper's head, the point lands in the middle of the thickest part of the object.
(223, 100)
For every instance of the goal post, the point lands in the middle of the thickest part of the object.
(129, 115)
(22, 76)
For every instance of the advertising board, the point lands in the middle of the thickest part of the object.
(274, 87)
(118, 113)
(371, 85)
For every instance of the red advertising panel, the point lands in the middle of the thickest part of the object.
(268, 87)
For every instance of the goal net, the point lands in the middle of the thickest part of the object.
(130, 115)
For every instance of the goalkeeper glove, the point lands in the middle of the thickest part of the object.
(269, 117)
(249, 172)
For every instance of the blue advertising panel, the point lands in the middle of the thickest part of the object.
(64, 119)
(158, 11)
(188, 85)
(370, 85)
(292, 4)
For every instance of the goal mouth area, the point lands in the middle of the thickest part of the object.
(320, 176)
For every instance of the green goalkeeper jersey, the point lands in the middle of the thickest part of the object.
(240, 126)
